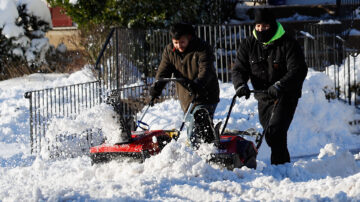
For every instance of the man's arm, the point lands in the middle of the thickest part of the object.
(164, 71)
(296, 66)
(240, 72)
(206, 67)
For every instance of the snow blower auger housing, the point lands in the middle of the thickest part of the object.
(143, 144)
(234, 151)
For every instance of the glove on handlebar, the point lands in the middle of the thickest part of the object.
(275, 91)
(243, 90)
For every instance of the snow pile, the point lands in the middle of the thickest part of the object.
(178, 173)
(319, 121)
(332, 161)
(323, 22)
(180, 159)
(299, 17)
(354, 32)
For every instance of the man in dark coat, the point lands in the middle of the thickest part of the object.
(274, 62)
(192, 59)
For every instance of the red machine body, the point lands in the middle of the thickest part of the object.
(142, 145)
(234, 151)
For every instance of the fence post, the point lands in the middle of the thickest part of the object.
(99, 59)
(355, 86)
(117, 58)
(349, 79)
(28, 96)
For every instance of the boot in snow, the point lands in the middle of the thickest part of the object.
(204, 131)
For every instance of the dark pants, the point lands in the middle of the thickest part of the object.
(276, 134)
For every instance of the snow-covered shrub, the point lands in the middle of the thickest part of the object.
(23, 24)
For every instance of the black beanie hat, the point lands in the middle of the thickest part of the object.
(264, 15)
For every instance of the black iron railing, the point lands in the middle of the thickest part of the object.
(59, 102)
(66, 102)
(326, 51)
(133, 55)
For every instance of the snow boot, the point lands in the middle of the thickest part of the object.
(204, 131)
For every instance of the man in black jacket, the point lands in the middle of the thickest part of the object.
(274, 62)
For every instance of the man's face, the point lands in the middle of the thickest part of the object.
(182, 43)
(262, 27)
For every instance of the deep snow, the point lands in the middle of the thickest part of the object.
(319, 127)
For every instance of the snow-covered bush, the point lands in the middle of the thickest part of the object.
(23, 24)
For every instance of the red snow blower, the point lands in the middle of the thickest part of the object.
(136, 145)
(234, 151)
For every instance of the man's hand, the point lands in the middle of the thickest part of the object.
(275, 91)
(192, 86)
(154, 94)
(243, 90)
(152, 101)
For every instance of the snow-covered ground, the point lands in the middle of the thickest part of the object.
(319, 127)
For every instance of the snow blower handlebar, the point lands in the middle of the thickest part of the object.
(232, 105)
(259, 138)
(185, 83)
(170, 79)
(139, 123)
(186, 114)
(182, 81)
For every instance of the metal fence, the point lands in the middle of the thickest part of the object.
(325, 51)
(48, 104)
(66, 102)
(132, 55)
(346, 9)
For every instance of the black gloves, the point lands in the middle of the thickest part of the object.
(275, 91)
(152, 101)
(155, 92)
(195, 87)
(243, 90)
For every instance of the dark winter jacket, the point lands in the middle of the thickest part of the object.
(195, 64)
(280, 59)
